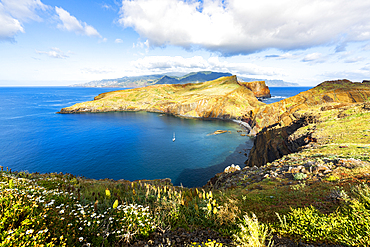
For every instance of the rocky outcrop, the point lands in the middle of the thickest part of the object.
(274, 142)
(293, 168)
(259, 88)
(276, 123)
(223, 98)
(326, 93)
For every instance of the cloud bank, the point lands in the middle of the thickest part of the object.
(246, 26)
(181, 64)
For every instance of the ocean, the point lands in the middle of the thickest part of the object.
(114, 145)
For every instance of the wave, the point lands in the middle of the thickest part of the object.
(278, 97)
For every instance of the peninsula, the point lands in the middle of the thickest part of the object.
(223, 98)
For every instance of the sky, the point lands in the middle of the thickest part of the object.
(64, 42)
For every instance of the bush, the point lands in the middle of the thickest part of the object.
(252, 233)
(349, 225)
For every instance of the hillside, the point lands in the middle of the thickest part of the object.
(146, 80)
(275, 123)
(223, 98)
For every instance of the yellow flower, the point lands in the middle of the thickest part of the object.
(107, 193)
(115, 204)
(214, 210)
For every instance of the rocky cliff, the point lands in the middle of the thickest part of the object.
(329, 92)
(223, 98)
(277, 123)
(259, 88)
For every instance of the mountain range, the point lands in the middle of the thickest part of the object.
(194, 77)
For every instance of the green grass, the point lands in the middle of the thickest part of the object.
(40, 208)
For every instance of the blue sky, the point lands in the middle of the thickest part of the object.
(52, 43)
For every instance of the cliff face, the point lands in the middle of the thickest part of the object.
(277, 123)
(259, 88)
(340, 91)
(223, 98)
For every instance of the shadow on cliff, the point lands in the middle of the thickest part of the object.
(199, 177)
(273, 143)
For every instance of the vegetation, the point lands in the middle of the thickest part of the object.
(330, 204)
(63, 210)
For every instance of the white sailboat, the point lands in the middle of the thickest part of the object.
(174, 138)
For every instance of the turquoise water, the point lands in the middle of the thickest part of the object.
(116, 145)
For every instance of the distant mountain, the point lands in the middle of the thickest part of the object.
(126, 82)
(271, 83)
(147, 80)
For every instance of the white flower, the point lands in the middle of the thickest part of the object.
(80, 239)
(29, 231)
(80, 228)
(61, 211)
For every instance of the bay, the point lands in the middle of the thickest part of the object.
(115, 145)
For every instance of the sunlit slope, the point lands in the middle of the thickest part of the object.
(324, 94)
(222, 98)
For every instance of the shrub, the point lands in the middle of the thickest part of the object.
(349, 225)
(252, 233)
(299, 176)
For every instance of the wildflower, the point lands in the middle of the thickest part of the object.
(80, 228)
(107, 193)
(115, 204)
(80, 239)
(61, 211)
(29, 231)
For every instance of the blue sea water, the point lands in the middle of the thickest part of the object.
(116, 145)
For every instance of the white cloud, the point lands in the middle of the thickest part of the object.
(24, 10)
(247, 26)
(283, 56)
(9, 26)
(142, 45)
(354, 59)
(53, 53)
(14, 13)
(316, 57)
(95, 71)
(106, 6)
(70, 23)
(118, 41)
(181, 64)
(355, 75)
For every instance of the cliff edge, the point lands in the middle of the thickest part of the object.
(259, 88)
(277, 124)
